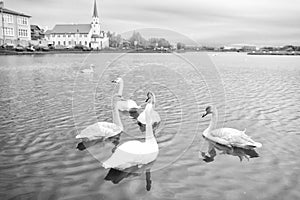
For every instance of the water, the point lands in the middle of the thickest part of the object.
(45, 102)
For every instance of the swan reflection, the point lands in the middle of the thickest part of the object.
(208, 152)
(115, 140)
(116, 176)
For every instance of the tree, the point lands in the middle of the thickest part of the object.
(180, 45)
(137, 39)
(114, 40)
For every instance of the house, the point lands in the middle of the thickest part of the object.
(36, 32)
(15, 27)
(89, 35)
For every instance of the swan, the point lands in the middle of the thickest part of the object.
(154, 115)
(227, 136)
(235, 151)
(135, 153)
(86, 71)
(103, 129)
(125, 105)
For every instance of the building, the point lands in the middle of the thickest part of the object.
(15, 27)
(36, 32)
(70, 35)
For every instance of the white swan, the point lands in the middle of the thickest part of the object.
(103, 129)
(155, 118)
(135, 153)
(87, 71)
(227, 136)
(125, 105)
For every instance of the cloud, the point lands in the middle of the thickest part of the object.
(221, 21)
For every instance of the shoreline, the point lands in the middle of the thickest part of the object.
(13, 52)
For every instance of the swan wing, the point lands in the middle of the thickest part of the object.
(99, 130)
(233, 137)
(130, 154)
(155, 118)
(132, 104)
(141, 118)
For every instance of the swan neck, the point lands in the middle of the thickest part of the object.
(213, 121)
(121, 87)
(116, 118)
(149, 136)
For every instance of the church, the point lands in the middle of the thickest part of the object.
(70, 35)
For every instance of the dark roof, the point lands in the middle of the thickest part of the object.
(35, 27)
(5, 10)
(71, 28)
(95, 14)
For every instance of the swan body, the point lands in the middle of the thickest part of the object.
(135, 153)
(227, 136)
(125, 105)
(87, 71)
(155, 118)
(103, 129)
(100, 130)
(128, 105)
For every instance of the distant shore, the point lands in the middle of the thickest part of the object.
(13, 52)
(280, 53)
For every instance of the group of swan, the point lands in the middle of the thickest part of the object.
(130, 153)
(136, 153)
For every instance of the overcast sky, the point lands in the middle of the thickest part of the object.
(260, 22)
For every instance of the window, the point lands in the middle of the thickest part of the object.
(85, 35)
(80, 42)
(69, 42)
(58, 35)
(64, 43)
(8, 18)
(58, 42)
(8, 31)
(22, 20)
(85, 43)
(23, 32)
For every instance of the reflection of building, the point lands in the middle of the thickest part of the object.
(79, 34)
(15, 27)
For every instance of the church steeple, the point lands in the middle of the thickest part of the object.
(95, 14)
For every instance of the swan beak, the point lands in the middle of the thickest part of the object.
(204, 115)
(147, 99)
(114, 81)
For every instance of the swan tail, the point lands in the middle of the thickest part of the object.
(79, 136)
(258, 145)
(253, 145)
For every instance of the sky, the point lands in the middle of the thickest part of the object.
(207, 22)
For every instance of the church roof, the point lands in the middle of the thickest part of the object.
(95, 13)
(71, 28)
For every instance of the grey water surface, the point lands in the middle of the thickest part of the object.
(45, 102)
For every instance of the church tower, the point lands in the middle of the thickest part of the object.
(96, 21)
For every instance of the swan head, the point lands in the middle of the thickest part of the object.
(118, 80)
(208, 110)
(150, 97)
